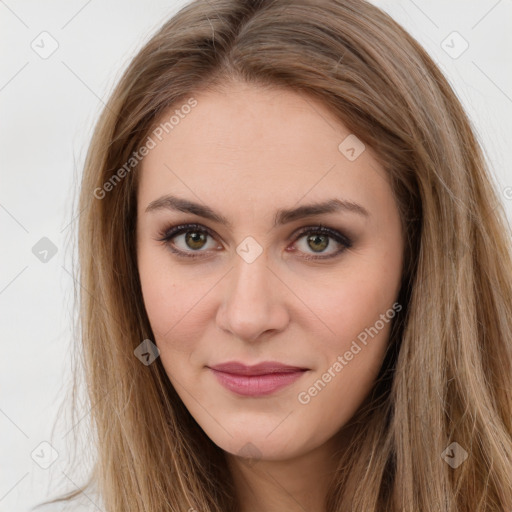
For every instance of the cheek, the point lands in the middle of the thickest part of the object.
(357, 310)
(159, 292)
(178, 308)
(168, 297)
(351, 357)
(168, 303)
(349, 303)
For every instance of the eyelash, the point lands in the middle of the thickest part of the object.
(167, 234)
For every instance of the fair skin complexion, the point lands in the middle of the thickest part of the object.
(247, 152)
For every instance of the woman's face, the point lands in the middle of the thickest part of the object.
(255, 173)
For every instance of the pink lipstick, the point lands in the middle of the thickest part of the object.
(257, 380)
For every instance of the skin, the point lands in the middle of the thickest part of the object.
(246, 152)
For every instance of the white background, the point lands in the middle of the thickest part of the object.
(47, 110)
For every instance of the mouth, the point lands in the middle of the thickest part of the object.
(258, 380)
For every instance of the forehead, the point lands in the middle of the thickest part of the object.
(246, 141)
(244, 119)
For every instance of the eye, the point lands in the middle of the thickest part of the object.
(193, 239)
(318, 238)
(189, 240)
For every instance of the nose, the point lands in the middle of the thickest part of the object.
(254, 301)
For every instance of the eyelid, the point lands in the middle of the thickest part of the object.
(322, 228)
(175, 230)
(165, 236)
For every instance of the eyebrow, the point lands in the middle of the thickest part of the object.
(282, 216)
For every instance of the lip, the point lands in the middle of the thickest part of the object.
(257, 380)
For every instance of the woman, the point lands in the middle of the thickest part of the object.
(296, 275)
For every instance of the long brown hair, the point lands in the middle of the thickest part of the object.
(447, 376)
